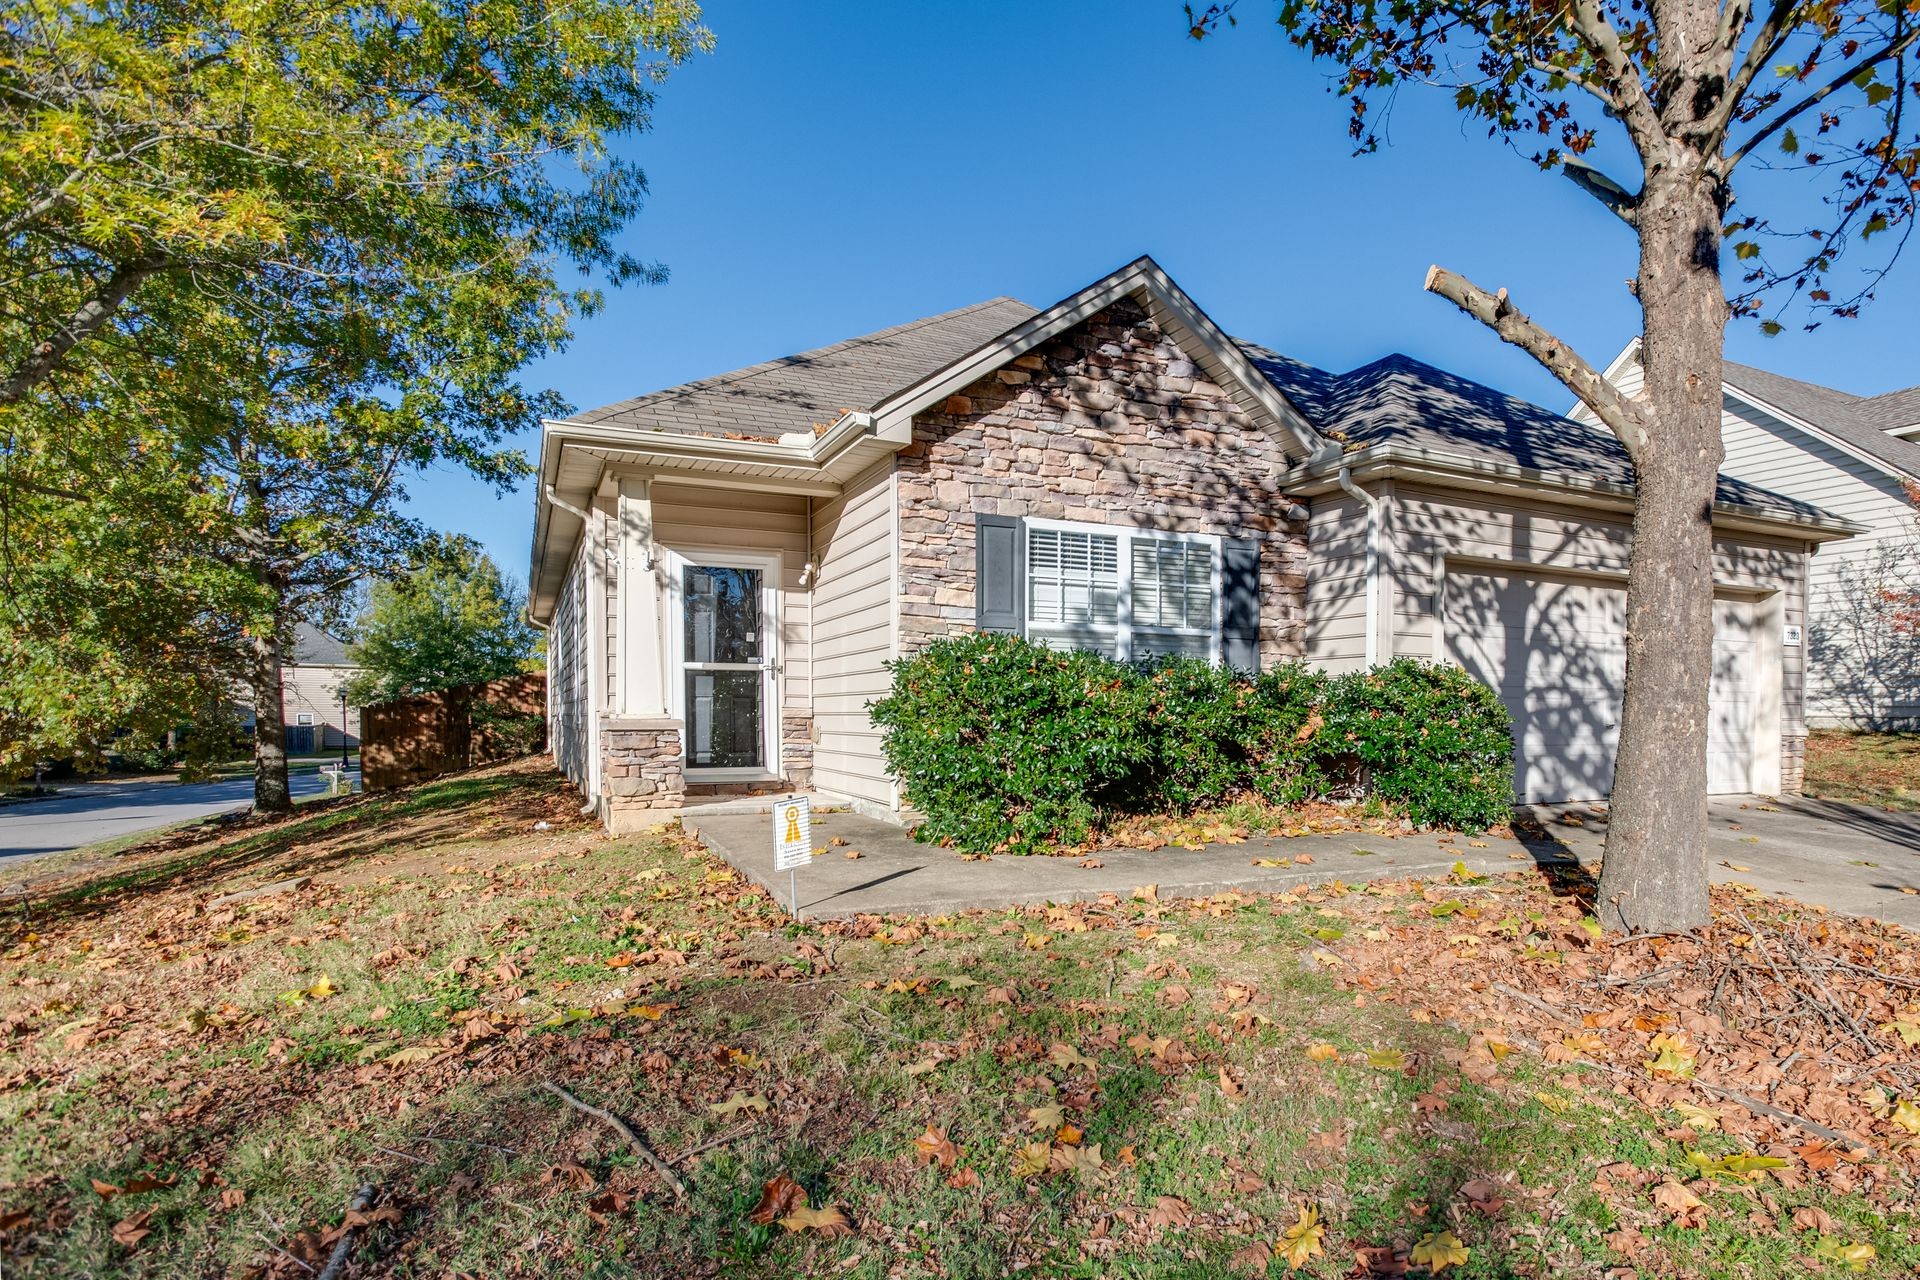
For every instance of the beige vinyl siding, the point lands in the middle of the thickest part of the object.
(1437, 533)
(1336, 583)
(692, 519)
(853, 634)
(1860, 672)
(567, 715)
(315, 690)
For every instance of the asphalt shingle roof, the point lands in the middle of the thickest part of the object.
(1397, 399)
(313, 647)
(1400, 400)
(800, 392)
(1860, 421)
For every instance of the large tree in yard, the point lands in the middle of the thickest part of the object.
(1698, 92)
(264, 261)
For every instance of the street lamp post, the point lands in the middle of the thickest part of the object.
(343, 731)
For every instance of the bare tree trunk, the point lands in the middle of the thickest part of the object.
(1654, 878)
(271, 792)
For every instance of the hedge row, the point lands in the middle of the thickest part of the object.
(1008, 745)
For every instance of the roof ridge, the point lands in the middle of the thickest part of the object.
(1805, 382)
(717, 380)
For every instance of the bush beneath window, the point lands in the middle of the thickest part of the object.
(1009, 746)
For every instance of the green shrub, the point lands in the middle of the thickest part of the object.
(1204, 724)
(1009, 745)
(1431, 738)
(1290, 766)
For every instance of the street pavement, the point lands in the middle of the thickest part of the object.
(89, 812)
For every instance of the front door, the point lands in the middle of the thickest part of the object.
(727, 665)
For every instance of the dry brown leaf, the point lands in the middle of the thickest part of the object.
(778, 1198)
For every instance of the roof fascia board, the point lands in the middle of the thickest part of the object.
(1801, 424)
(1452, 471)
(1257, 396)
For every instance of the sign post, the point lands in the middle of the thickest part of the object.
(792, 843)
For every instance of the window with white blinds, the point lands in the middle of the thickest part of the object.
(1126, 593)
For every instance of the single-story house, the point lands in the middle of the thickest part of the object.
(1856, 457)
(726, 567)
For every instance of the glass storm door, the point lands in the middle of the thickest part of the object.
(727, 666)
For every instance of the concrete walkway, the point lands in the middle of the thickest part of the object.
(1848, 858)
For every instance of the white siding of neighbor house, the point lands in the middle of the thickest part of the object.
(1861, 674)
(690, 519)
(853, 633)
(1437, 532)
(1336, 583)
(567, 716)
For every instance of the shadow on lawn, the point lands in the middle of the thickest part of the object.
(337, 831)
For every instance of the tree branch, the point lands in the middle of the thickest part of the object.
(1766, 42)
(89, 317)
(1623, 417)
(1892, 49)
(1622, 78)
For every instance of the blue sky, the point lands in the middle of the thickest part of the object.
(833, 168)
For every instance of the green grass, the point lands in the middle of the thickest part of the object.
(1881, 769)
(431, 907)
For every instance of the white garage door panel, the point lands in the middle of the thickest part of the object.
(1555, 652)
(1730, 710)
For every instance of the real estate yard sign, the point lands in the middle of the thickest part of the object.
(792, 843)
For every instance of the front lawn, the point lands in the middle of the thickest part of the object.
(1396, 1079)
(1880, 769)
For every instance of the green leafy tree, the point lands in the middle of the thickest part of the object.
(307, 247)
(1682, 96)
(455, 619)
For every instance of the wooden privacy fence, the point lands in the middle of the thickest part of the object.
(413, 739)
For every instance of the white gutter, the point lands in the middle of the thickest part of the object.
(1371, 653)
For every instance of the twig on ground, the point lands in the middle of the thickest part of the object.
(361, 1202)
(625, 1130)
(1535, 1002)
(711, 1143)
(1768, 1109)
(404, 1155)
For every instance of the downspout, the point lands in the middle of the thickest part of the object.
(1371, 651)
(593, 711)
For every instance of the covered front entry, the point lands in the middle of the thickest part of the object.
(1554, 649)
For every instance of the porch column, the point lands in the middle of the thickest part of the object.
(642, 681)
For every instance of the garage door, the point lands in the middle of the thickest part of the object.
(1555, 651)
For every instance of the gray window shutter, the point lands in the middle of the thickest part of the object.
(1000, 572)
(1240, 606)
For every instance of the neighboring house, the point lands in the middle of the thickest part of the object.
(726, 567)
(311, 679)
(1851, 456)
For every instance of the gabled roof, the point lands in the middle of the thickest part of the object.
(1177, 314)
(805, 392)
(313, 647)
(1849, 419)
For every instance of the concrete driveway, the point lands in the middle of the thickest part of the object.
(89, 812)
(1848, 858)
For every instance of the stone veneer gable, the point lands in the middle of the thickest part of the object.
(1109, 423)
